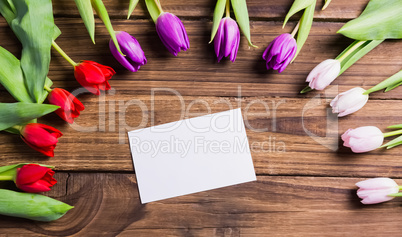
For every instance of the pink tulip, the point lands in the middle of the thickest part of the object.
(323, 74)
(376, 190)
(349, 101)
(363, 139)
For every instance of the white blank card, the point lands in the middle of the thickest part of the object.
(191, 155)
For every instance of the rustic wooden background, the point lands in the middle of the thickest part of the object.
(303, 187)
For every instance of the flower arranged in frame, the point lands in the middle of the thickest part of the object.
(41, 137)
(91, 75)
(169, 27)
(70, 106)
(280, 52)
(368, 138)
(225, 30)
(377, 190)
(227, 39)
(34, 178)
(134, 55)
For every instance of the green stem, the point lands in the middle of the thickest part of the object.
(400, 187)
(158, 4)
(306, 89)
(18, 127)
(65, 56)
(388, 84)
(393, 133)
(295, 29)
(6, 177)
(347, 53)
(48, 89)
(227, 8)
(327, 2)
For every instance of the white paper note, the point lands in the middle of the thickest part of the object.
(191, 155)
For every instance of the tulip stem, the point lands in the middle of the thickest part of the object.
(227, 8)
(306, 89)
(65, 56)
(158, 4)
(353, 48)
(295, 29)
(48, 89)
(17, 127)
(6, 177)
(393, 133)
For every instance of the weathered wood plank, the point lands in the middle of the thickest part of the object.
(219, 79)
(341, 9)
(276, 128)
(108, 205)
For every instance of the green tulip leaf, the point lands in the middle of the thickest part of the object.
(380, 20)
(153, 9)
(21, 112)
(360, 48)
(306, 21)
(104, 16)
(87, 15)
(31, 206)
(218, 14)
(34, 27)
(131, 7)
(388, 84)
(11, 76)
(397, 78)
(297, 6)
(7, 10)
(397, 126)
(327, 2)
(393, 143)
(241, 13)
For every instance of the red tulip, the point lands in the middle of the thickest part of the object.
(34, 178)
(93, 76)
(41, 137)
(70, 106)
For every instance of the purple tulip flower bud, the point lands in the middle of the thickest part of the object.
(172, 33)
(227, 39)
(280, 52)
(131, 48)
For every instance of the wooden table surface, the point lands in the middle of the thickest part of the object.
(303, 187)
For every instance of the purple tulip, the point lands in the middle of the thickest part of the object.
(227, 39)
(131, 48)
(280, 52)
(172, 33)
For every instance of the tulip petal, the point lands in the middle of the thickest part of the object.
(377, 197)
(30, 173)
(120, 58)
(36, 187)
(376, 182)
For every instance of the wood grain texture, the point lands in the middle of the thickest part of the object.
(277, 129)
(108, 205)
(304, 188)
